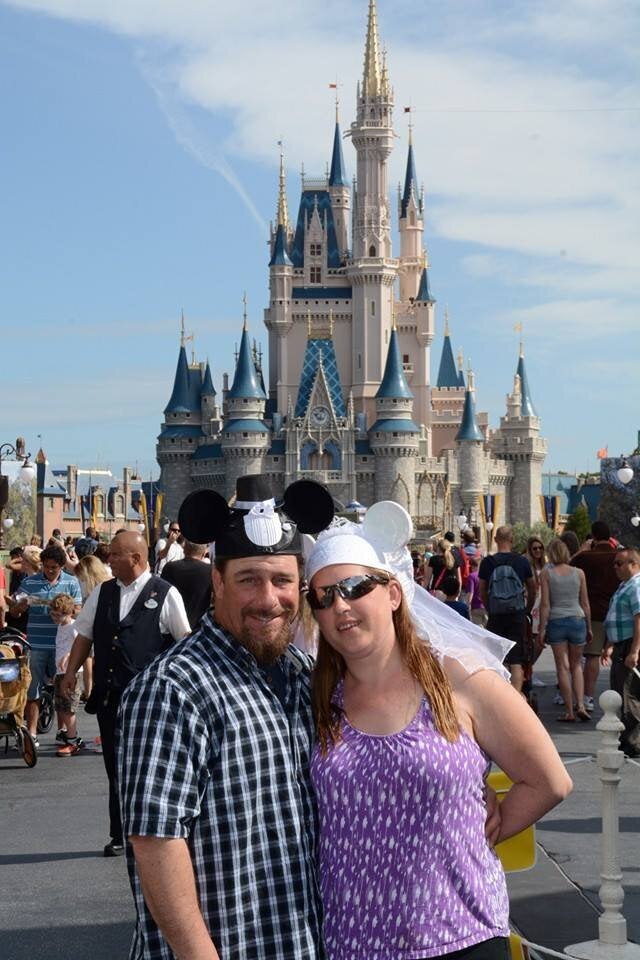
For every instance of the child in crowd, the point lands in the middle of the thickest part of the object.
(450, 586)
(478, 613)
(61, 611)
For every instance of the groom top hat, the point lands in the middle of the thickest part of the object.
(258, 524)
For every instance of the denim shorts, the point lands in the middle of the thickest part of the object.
(42, 664)
(571, 630)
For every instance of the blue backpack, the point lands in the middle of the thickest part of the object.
(506, 589)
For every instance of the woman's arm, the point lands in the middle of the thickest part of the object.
(513, 737)
(544, 602)
(584, 600)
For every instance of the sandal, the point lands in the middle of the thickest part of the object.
(564, 718)
(583, 716)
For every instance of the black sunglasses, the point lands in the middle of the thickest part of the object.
(351, 588)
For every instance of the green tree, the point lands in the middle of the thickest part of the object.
(580, 522)
(21, 507)
(522, 532)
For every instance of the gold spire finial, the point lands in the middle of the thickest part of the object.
(518, 328)
(371, 77)
(282, 216)
(330, 323)
(335, 86)
(460, 359)
(182, 340)
(446, 321)
(244, 310)
(309, 322)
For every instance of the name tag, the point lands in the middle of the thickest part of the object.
(151, 604)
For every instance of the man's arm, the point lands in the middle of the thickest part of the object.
(631, 660)
(168, 884)
(530, 586)
(79, 652)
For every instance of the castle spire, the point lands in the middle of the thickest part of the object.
(246, 382)
(527, 408)
(394, 383)
(469, 429)
(282, 216)
(411, 187)
(371, 79)
(185, 398)
(337, 174)
(447, 372)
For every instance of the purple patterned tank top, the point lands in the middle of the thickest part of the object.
(405, 870)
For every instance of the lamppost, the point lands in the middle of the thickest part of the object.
(489, 527)
(625, 476)
(27, 473)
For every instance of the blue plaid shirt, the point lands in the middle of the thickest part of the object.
(209, 753)
(623, 609)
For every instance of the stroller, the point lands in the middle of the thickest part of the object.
(15, 677)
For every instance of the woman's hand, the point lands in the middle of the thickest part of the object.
(494, 818)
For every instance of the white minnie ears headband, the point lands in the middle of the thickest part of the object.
(380, 541)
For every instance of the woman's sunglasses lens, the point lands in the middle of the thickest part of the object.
(351, 588)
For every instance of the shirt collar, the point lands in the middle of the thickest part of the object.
(136, 584)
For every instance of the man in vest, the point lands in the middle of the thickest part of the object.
(128, 621)
(508, 592)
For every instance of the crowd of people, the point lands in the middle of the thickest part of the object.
(273, 804)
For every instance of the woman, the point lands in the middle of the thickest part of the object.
(90, 572)
(565, 624)
(441, 564)
(404, 741)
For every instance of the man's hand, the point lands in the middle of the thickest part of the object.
(605, 656)
(631, 660)
(494, 818)
(68, 685)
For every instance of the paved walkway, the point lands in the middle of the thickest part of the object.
(63, 900)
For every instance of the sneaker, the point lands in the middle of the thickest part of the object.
(558, 701)
(96, 744)
(113, 849)
(70, 748)
(537, 682)
(61, 736)
(588, 704)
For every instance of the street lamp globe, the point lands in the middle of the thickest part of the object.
(461, 520)
(625, 473)
(489, 526)
(7, 523)
(27, 472)
(635, 520)
(141, 528)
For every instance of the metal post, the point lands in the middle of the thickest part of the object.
(612, 943)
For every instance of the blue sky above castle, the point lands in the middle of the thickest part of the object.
(143, 174)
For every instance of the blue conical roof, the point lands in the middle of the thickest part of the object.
(410, 184)
(526, 407)
(279, 255)
(461, 382)
(183, 396)
(469, 429)
(337, 175)
(394, 383)
(424, 294)
(208, 390)
(246, 382)
(447, 372)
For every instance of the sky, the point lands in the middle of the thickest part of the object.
(139, 169)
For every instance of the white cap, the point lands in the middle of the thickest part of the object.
(344, 544)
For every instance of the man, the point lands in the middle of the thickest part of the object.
(622, 624)
(215, 745)
(192, 579)
(602, 583)
(41, 588)
(88, 544)
(507, 590)
(169, 548)
(128, 620)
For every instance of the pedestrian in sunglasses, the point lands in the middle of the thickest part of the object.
(406, 733)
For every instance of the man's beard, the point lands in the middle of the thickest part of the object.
(267, 649)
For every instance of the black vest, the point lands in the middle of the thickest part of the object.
(123, 648)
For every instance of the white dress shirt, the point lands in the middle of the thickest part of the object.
(173, 616)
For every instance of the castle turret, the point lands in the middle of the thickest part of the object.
(277, 316)
(208, 404)
(339, 191)
(518, 441)
(181, 431)
(245, 438)
(411, 228)
(372, 270)
(471, 455)
(394, 437)
(447, 399)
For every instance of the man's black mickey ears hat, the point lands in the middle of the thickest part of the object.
(257, 524)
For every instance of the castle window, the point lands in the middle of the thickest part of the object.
(276, 459)
(187, 415)
(315, 249)
(49, 503)
(412, 218)
(405, 358)
(365, 459)
(372, 250)
(245, 435)
(359, 361)
(373, 308)
(315, 275)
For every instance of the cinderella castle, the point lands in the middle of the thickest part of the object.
(349, 398)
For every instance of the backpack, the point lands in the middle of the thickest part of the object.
(506, 589)
(463, 563)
